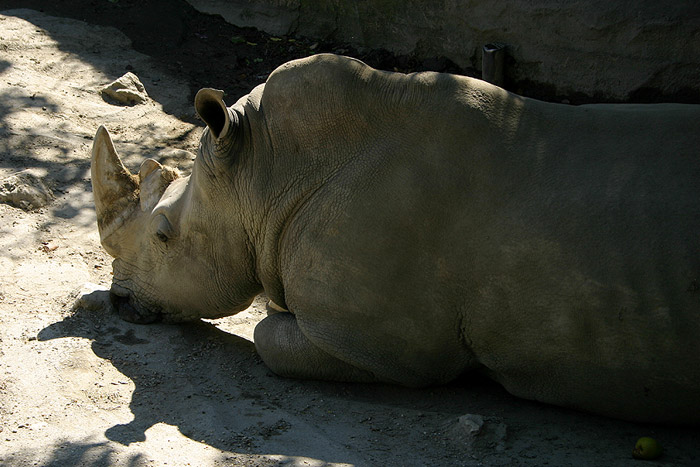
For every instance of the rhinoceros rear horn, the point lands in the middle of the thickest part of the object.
(211, 108)
(114, 188)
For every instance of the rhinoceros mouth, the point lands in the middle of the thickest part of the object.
(128, 310)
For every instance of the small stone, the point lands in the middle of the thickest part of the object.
(471, 423)
(472, 431)
(25, 190)
(127, 90)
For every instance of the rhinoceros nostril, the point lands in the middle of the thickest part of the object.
(128, 312)
(119, 301)
(115, 298)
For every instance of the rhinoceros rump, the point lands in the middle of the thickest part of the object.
(419, 226)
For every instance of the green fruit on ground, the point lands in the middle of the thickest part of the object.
(647, 448)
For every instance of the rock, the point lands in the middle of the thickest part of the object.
(478, 433)
(25, 190)
(127, 90)
(471, 423)
(91, 297)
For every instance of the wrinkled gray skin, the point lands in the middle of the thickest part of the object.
(418, 226)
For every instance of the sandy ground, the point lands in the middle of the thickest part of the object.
(80, 387)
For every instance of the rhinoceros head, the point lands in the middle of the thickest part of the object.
(180, 252)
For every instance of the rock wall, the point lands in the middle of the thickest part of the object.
(631, 49)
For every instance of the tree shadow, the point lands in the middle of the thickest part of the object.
(43, 126)
(160, 31)
(181, 41)
(87, 454)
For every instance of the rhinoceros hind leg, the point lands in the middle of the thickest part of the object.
(288, 352)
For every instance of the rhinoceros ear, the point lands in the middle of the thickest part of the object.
(114, 188)
(211, 108)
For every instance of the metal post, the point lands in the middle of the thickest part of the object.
(492, 64)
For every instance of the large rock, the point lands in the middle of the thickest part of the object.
(25, 190)
(611, 50)
(127, 90)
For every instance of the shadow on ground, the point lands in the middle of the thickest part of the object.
(213, 387)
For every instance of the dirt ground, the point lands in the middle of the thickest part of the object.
(78, 386)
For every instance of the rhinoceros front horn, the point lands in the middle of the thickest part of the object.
(115, 189)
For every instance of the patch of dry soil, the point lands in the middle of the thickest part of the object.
(80, 387)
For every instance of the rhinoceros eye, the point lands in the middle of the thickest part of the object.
(163, 228)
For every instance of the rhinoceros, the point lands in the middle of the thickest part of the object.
(415, 227)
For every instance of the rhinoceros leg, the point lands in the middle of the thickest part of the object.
(288, 352)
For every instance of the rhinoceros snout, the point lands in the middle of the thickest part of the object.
(130, 313)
